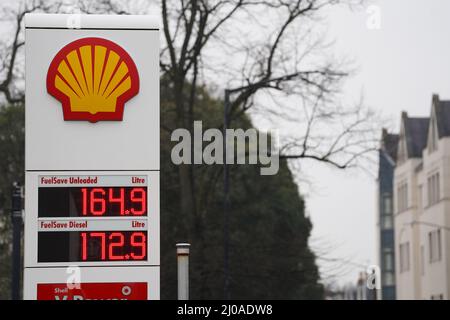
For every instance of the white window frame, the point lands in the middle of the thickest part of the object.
(433, 141)
(388, 255)
(435, 246)
(404, 257)
(402, 196)
(434, 188)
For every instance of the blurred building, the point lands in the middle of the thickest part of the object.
(358, 290)
(385, 223)
(341, 292)
(362, 290)
(349, 292)
(412, 141)
(422, 205)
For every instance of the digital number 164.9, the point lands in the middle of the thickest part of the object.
(125, 201)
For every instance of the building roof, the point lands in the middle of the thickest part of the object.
(389, 143)
(416, 132)
(442, 109)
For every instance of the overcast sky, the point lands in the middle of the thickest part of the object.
(400, 66)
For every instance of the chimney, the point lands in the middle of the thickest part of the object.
(435, 100)
(404, 114)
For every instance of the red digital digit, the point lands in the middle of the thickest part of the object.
(98, 200)
(102, 236)
(115, 244)
(138, 240)
(83, 246)
(138, 195)
(120, 199)
(84, 205)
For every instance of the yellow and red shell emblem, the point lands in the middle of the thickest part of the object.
(93, 78)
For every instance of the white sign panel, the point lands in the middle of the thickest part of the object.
(86, 73)
(92, 156)
(92, 284)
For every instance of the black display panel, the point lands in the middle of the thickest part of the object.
(82, 246)
(92, 202)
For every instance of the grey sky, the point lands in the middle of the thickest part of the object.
(400, 66)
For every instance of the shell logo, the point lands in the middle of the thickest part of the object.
(93, 78)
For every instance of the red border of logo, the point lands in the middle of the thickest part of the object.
(99, 116)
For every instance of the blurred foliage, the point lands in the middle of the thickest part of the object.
(12, 159)
(270, 257)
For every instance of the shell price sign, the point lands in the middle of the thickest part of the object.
(92, 158)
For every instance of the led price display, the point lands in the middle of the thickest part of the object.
(92, 201)
(80, 246)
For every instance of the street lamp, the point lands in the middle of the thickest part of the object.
(226, 175)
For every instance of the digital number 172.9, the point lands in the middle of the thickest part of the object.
(110, 246)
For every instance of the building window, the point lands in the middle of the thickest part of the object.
(435, 247)
(420, 199)
(388, 279)
(388, 259)
(387, 204)
(386, 217)
(433, 137)
(387, 222)
(402, 196)
(422, 260)
(433, 189)
(401, 154)
(404, 257)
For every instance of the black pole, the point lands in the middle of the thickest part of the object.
(16, 217)
(226, 204)
(226, 182)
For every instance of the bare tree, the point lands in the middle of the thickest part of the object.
(11, 71)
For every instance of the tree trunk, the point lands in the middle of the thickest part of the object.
(186, 194)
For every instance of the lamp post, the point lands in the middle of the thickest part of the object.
(183, 270)
(226, 175)
(226, 203)
(16, 217)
